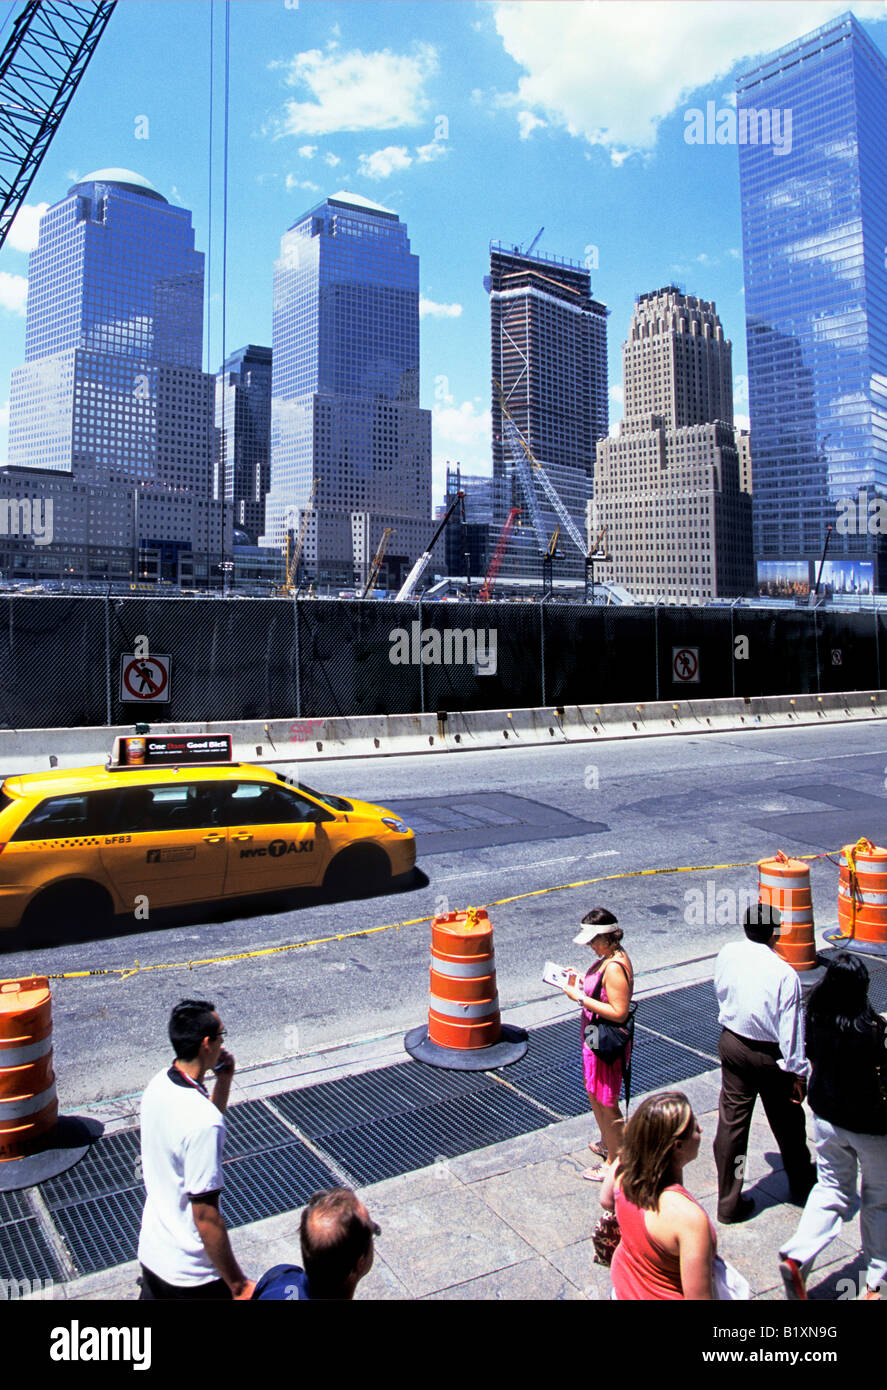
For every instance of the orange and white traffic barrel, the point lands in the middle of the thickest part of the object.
(784, 883)
(464, 1005)
(862, 894)
(28, 1102)
(465, 1031)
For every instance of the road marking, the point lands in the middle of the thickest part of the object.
(534, 864)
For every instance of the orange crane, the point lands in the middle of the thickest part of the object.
(486, 589)
(293, 557)
(377, 562)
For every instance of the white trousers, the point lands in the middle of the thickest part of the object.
(834, 1198)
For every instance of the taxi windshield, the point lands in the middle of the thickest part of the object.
(338, 803)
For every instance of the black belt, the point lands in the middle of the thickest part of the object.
(756, 1044)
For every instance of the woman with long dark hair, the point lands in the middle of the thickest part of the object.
(846, 1047)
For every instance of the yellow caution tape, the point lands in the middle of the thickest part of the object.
(126, 972)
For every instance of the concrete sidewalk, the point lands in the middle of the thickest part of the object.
(513, 1221)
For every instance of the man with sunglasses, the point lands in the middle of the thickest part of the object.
(184, 1248)
(336, 1233)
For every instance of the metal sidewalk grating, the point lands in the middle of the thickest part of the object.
(103, 1231)
(272, 1182)
(14, 1206)
(418, 1138)
(333, 1106)
(111, 1165)
(561, 1089)
(658, 1063)
(687, 1015)
(25, 1253)
(252, 1127)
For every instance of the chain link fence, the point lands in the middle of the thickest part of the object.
(62, 658)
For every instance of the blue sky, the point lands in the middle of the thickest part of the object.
(473, 121)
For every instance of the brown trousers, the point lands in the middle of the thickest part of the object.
(748, 1070)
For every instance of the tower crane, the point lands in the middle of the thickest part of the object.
(377, 562)
(292, 560)
(529, 468)
(486, 589)
(49, 47)
(424, 560)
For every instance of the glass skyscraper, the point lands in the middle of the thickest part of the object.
(345, 409)
(549, 356)
(112, 392)
(242, 473)
(814, 219)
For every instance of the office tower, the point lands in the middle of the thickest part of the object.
(814, 225)
(242, 472)
(345, 414)
(112, 393)
(667, 487)
(467, 542)
(549, 356)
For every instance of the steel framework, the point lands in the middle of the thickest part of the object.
(40, 68)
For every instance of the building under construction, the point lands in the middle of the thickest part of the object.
(549, 353)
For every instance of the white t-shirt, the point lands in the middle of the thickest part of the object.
(183, 1135)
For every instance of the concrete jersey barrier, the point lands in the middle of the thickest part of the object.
(320, 740)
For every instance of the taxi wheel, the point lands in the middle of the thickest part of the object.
(358, 872)
(67, 909)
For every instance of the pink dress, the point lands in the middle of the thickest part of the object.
(603, 1080)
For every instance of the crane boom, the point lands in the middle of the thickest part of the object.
(528, 467)
(377, 562)
(45, 57)
(295, 557)
(486, 589)
(409, 586)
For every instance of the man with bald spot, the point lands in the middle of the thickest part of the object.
(336, 1233)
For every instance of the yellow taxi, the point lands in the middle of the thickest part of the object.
(172, 821)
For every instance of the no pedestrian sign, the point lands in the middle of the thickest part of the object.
(685, 665)
(144, 680)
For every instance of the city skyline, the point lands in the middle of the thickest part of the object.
(461, 119)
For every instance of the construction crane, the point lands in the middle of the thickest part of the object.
(486, 589)
(49, 47)
(377, 562)
(529, 468)
(292, 559)
(424, 560)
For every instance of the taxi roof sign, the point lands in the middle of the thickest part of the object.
(170, 750)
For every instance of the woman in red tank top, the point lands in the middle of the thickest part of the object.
(668, 1243)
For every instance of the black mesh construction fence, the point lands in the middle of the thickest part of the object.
(62, 659)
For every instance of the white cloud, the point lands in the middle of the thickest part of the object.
(22, 235)
(381, 164)
(356, 91)
(437, 149)
(528, 123)
(617, 395)
(332, 160)
(307, 151)
(741, 422)
(13, 292)
(740, 388)
(428, 309)
(584, 68)
(463, 433)
(292, 183)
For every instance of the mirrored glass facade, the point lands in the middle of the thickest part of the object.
(345, 385)
(814, 219)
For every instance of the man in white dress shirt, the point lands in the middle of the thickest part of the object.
(762, 1054)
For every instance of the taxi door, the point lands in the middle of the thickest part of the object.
(166, 844)
(276, 838)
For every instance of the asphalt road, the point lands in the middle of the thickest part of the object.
(489, 825)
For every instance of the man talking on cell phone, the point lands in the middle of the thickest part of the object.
(184, 1250)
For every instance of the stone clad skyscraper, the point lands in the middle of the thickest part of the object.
(549, 355)
(345, 411)
(667, 487)
(112, 398)
(814, 228)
